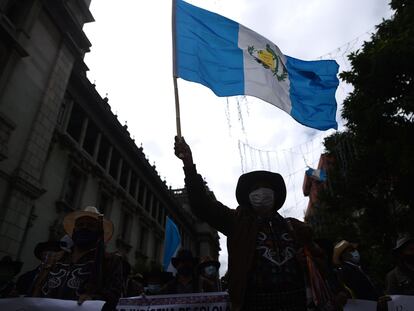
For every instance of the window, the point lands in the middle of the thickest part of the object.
(125, 227)
(161, 216)
(133, 185)
(148, 201)
(75, 122)
(143, 239)
(105, 203)
(14, 10)
(113, 168)
(156, 250)
(91, 137)
(141, 193)
(124, 175)
(154, 207)
(73, 186)
(103, 152)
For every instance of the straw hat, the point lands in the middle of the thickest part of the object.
(89, 211)
(402, 242)
(339, 249)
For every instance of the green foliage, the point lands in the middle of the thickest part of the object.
(370, 197)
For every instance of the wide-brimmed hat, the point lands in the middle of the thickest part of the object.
(89, 211)
(8, 264)
(183, 255)
(208, 261)
(248, 180)
(402, 241)
(339, 249)
(49, 246)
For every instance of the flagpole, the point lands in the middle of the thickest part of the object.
(174, 60)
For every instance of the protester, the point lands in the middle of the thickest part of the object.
(43, 251)
(347, 259)
(208, 270)
(264, 249)
(339, 293)
(131, 286)
(186, 280)
(155, 280)
(8, 270)
(87, 272)
(135, 285)
(400, 280)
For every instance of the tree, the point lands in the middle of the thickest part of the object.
(370, 195)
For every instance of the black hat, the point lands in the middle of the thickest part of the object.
(49, 246)
(402, 241)
(9, 264)
(183, 255)
(248, 180)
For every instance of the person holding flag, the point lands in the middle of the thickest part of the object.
(267, 266)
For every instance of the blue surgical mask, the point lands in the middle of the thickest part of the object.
(355, 257)
(210, 271)
(262, 198)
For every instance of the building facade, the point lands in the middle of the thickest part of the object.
(62, 148)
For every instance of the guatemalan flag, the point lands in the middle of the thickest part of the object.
(231, 59)
(172, 244)
(318, 174)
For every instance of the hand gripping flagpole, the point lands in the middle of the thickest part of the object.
(177, 102)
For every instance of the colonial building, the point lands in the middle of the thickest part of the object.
(62, 148)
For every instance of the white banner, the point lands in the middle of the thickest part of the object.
(183, 302)
(47, 304)
(401, 303)
(360, 305)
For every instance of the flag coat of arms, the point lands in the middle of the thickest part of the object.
(231, 59)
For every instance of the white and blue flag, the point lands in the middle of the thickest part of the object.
(318, 174)
(231, 59)
(172, 244)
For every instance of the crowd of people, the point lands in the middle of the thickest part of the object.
(274, 263)
(78, 268)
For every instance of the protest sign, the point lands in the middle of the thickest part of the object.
(47, 304)
(183, 302)
(360, 305)
(401, 303)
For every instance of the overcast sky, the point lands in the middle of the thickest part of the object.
(131, 60)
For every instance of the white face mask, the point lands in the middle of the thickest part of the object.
(210, 270)
(262, 198)
(355, 257)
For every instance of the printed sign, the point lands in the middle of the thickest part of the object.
(401, 303)
(47, 304)
(183, 302)
(360, 305)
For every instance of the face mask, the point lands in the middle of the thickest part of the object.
(262, 198)
(154, 288)
(85, 238)
(354, 257)
(186, 271)
(210, 271)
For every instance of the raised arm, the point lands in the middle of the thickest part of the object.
(204, 206)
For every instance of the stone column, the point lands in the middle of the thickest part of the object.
(25, 183)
